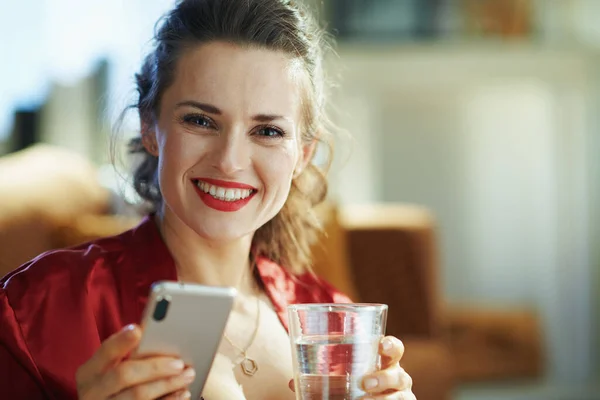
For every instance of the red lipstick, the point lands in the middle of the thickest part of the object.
(223, 205)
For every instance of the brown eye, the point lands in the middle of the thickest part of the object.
(270, 132)
(198, 120)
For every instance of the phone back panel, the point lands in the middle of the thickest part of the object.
(190, 326)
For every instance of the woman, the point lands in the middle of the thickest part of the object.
(231, 106)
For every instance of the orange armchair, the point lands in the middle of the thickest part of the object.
(388, 254)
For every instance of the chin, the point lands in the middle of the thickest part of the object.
(221, 232)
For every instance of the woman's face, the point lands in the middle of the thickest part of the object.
(228, 139)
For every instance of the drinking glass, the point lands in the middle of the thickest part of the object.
(333, 347)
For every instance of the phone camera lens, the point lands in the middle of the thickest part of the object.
(160, 311)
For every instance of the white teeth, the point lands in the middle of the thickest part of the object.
(225, 194)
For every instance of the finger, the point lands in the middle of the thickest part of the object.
(135, 372)
(394, 378)
(159, 388)
(291, 385)
(405, 395)
(391, 350)
(112, 350)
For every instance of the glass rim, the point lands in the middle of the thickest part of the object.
(337, 307)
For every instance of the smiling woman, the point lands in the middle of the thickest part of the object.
(231, 104)
(231, 114)
(282, 92)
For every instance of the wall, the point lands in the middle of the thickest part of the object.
(495, 142)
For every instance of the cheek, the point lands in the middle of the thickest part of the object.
(178, 155)
(180, 152)
(277, 168)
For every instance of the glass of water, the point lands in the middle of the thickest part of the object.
(334, 346)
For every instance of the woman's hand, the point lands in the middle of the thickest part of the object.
(111, 374)
(391, 382)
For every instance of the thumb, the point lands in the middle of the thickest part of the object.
(113, 350)
(291, 385)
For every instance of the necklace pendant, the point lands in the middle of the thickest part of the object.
(249, 366)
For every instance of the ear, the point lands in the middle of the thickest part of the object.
(308, 150)
(149, 139)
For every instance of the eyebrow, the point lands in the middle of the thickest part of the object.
(209, 108)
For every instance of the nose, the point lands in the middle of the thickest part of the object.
(232, 153)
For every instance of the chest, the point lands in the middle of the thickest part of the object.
(268, 347)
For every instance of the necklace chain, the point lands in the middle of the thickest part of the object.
(249, 365)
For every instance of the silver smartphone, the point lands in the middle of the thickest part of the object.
(187, 321)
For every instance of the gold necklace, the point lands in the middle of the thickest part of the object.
(249, 365)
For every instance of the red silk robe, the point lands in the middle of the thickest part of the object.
(56, 310)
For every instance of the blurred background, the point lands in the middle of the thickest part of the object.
(484, 114)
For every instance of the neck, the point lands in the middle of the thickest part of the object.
(212, 263)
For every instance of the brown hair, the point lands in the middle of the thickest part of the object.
(279, 25)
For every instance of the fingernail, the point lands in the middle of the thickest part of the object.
(188, 375)
(185, 395)
(371, 383)
(176, 365)
(387, 344)
(129, 330)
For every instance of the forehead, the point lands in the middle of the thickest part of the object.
(233, 77)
